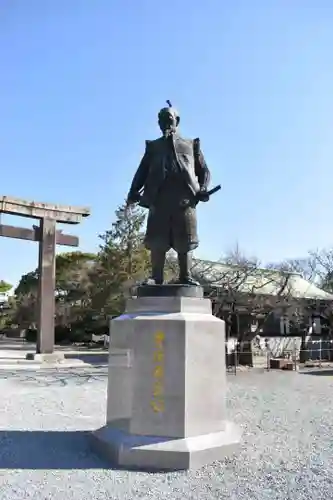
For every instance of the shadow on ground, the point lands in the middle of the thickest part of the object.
(320, 372)
(18, 348)
(53, 450)
(47, 450)
(100, 358)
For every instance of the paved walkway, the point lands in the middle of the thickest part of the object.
(13, 352)
(46, 417)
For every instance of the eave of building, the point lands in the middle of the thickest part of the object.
(258, 281)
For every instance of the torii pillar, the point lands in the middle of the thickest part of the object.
(48, 237)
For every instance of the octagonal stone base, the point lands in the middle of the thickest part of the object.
(156, 453)
(166, 406)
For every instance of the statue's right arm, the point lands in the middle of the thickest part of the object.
(139, 178)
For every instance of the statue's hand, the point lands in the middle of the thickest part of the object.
(203, 195)
(133, 198)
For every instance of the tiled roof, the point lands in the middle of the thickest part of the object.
(243, 279)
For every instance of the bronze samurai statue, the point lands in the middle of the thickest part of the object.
(170, 181)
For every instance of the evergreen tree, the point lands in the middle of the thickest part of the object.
(121, 262)
(4, 286)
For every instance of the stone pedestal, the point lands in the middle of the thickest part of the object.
(166, 405)
(52, 360)
(54, 357)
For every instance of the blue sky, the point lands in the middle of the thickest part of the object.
(82, 82)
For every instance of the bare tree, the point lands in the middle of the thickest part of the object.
(240, 284)
(241, 287)
(317, 268)
(306, 266)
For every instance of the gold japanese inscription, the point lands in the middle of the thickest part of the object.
(157, 402)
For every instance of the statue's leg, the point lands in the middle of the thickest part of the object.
(157, 241)
(157, 265)
(185, 240)
(185, 264)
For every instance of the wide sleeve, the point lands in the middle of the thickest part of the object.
(140, 176)
(201, 169)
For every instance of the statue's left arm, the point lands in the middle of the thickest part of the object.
(139, 177)
(201, 170)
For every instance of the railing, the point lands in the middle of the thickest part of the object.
(316, 354)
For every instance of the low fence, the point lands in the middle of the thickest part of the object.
(314, 353)
(105, 339)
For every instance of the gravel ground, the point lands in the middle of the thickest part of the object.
(287, 451)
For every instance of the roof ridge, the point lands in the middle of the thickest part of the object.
(259, 268)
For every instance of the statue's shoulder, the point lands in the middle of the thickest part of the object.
(184, 139)
(194, 144)
(152, 143)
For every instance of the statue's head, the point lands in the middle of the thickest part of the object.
(168, 119)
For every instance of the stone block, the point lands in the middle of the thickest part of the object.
(281, 364)
(54, 357)
(289, 365)
(52, 360)
(277, 363)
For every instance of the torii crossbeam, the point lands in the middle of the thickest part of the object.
(48, 237)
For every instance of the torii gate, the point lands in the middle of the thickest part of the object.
(48, 237)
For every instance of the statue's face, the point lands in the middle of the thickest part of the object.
(167, 121)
